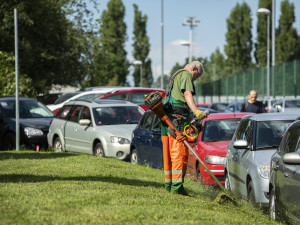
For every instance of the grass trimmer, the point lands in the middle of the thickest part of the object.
(154, 102)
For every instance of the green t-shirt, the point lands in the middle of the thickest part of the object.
(182, 82)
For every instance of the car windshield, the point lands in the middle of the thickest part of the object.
(270, 133)
(221, 106)
(117, 115)
(219, 130)
(292, 103)
(27, 109)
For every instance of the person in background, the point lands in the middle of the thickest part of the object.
(252, 105)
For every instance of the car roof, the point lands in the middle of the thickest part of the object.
(6, 98)
(102, 102)
(273, 116)
(218, 116)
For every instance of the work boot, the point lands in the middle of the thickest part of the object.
(183, 192)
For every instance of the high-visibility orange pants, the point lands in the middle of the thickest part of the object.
(175, 155)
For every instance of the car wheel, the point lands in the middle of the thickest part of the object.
(98, 150)
(57, 145)
(273, 211)
(198, 174)
(227, 182)
(9, 141)
(134, 157)
(251, 194)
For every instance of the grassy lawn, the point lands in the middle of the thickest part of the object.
(69, 188)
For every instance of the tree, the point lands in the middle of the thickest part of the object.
(239, 38)
(217, 65)
(141, 48)
(260, 52)
(287, 38)
(110, 63)
(48, 44)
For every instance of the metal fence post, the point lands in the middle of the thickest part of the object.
(283, 79)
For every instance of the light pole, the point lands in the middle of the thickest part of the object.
(139, 63)
(187, 43)
(267, 12)
(191, 22)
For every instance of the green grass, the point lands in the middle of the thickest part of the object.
(68, 188)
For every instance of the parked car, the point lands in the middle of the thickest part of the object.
(234, 106)
(211, 146)
(48, 99)
(203, 105)
(219, 106)
(268, 103)
(285, 177)
(286, 105)
(34, 121)
(146, 145)
(96, 127)
(134, 94)
(249, 153)
(86, 95)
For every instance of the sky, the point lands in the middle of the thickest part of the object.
(207, 35)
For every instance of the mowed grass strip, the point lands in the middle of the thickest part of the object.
(69, 188)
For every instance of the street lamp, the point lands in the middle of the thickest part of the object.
(191, 21)
(139, 63)
(267, 12)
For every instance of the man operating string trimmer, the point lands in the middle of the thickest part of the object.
(177, 104)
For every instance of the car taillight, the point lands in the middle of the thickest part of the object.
(56, 111)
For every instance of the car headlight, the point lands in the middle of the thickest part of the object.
(264, 171)
(119, 140)
(29, 131)
(214, 159)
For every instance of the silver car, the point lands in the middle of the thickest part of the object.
(286, 105)
(98, 127)
(248, 156)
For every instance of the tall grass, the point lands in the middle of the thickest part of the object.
(68, 188)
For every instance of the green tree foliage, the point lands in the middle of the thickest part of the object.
(48, 44)
(7, 81)
(287, 38)
(110, 63)
(239, 37)
(260, 52)
(141, 48)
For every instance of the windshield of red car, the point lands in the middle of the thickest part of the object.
(219, 130)
(117, 115)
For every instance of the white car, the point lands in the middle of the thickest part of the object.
(84, 95)
(98, 127)
(286, 105)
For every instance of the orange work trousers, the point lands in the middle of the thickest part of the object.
(175, 155)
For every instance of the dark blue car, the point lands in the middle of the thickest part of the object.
(146, 145)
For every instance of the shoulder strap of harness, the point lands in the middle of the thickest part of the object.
(170, 85)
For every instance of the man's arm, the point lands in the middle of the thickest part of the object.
(190, 100)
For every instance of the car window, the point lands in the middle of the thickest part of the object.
(240, 133)
(74, 117)
(64, 97)
(63, 112)
(87, 97)
(85, 113)
(292, 144)
(292, 103)
(120, 96)
(116, 115)
(231, 108)
(138, 97)
(147, 121)
(156, 123)
(270, 133)
(219, 130)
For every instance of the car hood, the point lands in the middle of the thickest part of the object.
(39, 123)
(215, 148)
(124, 130)
(263, 157)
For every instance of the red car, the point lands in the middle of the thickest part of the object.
(134, 94)
(211, 145)
(203, 105)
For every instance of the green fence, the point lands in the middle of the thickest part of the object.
(284, 81)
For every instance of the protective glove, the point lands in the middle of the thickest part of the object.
(199, 114)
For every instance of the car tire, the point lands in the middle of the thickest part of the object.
(57, 145)
(227, 182)
(273, 208)
(9, 141)
(251, 194)
(98, 150)
(198, 174)
(134, 157)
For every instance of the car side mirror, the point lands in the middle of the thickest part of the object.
(155, 131)
(240, 144)
(84, 122)
(291, 158)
